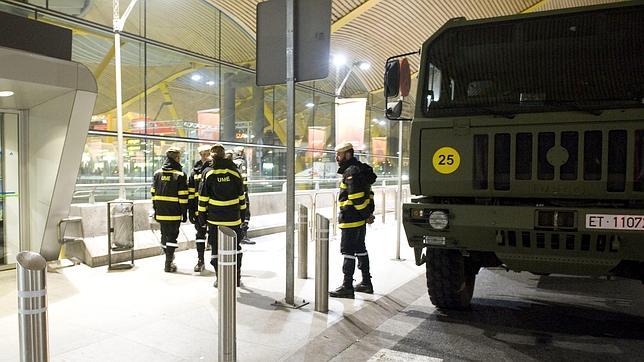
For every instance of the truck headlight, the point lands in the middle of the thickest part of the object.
(438, 220)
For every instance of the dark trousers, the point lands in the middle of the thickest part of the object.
(169, 235)
(352, 247)
(352, 241)
(200, 240)
(213, 232)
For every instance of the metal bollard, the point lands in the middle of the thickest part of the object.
(303, 240)
(322, 265)
(227, 277)
(32, 306)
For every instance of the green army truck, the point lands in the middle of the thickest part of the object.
(527, 147)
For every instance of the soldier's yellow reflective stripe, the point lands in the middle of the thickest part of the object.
(221, 172)
(192, 189)
(176, 172)
(357, 195)
(243, 207)
(363, 205)
(202, 208)
(204, 198)
(242, 197)
(223, 203)
(348, 225)
(226, 223)
(343, 185)
(153, 190)
(165, 198)
(184, 192)
(168, 218)
(183, 201)
(197, 177)
(345, 203)
(190, 197)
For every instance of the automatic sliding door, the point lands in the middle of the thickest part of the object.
(9, 181)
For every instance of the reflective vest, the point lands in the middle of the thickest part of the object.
(169, 192)
(221, 193)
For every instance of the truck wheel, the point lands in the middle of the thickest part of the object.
(450, 279)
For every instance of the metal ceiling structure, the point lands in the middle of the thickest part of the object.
(373, 30)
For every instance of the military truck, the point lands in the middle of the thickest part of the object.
(527, 147)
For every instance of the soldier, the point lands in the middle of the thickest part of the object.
(356, 210)
(221, 201)
(239, 158)
(170, 200)
(193, 185)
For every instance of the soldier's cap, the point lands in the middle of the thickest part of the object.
(239, 149)
(229, 151)
(204, 148)
(343, 147)
(172, 150)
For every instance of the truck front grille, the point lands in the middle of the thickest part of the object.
(593, 155)
(558, 241)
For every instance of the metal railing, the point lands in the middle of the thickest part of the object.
(103, 192)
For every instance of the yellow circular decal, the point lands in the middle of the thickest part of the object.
(446, 160)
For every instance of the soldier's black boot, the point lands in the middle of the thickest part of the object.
(170, 267)
(201, 246)
(346, 289)
(200, 265)
(365, 285)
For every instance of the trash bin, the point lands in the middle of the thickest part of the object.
(120, 225)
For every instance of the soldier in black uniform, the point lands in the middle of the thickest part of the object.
(356, 210)
(221, 200)
(193, 199)
(170, 200)
(239, 158)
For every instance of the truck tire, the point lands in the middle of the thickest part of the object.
(450, 279)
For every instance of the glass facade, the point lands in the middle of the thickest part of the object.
(187, 80)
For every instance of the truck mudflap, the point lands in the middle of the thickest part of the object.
(420, 256)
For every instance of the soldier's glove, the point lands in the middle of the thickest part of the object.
(371, 219)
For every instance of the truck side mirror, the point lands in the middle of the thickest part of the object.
(395, 111)
(392, 78)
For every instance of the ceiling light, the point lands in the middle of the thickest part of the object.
(6, 93)
(339, 60)
(374, 120)
(382, 123)
(210, 83)
(310, 105)
(196, 77)
(363, 65)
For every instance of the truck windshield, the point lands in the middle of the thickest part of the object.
(581, 62)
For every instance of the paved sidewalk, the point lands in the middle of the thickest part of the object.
(145, 314)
